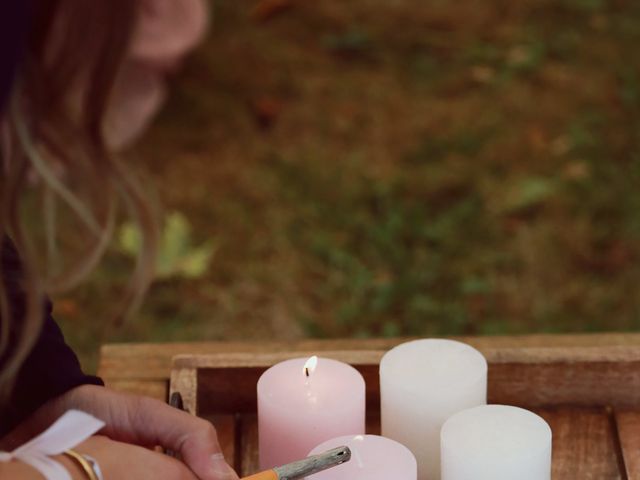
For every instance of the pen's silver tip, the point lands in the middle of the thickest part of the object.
(314, 464)
(343, 453)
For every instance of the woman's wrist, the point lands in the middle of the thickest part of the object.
(17, 470)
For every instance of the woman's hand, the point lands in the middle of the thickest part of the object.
(140, 421)
(117, 461)
(121, 460)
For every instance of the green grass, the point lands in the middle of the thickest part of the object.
(430, 169)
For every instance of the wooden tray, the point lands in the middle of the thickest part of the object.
(589, 395)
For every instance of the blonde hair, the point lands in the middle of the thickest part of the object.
(53, 141)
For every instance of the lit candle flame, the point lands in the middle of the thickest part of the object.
(310, 366)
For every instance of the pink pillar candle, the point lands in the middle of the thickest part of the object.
(300, 406)
(372, 458)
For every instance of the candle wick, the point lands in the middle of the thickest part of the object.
(306, 371)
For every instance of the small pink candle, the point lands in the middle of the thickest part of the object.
(372, 458)
(301, 405)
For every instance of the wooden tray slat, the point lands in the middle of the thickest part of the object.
(157, 389)
(153, 361)
(373, 425)
(584, 444)
(628, 423)
(226, 430)
(531, 378)
(249, 458)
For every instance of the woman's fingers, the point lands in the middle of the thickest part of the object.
(121, 460)
(200, 450)
(155, 423)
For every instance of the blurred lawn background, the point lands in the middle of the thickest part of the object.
(386, 168)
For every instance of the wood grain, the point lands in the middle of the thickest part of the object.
(582, 376)
(542, 376)
(584, 444)
(373, 423)
(152, 361)
(226, 429)
(144, 369)
(184, 381)
(157, 389)
(628, 424)
(249, 443)
(527, 377)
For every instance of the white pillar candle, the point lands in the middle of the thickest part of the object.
(423, 383)
(301, 405)
(496, 442)
(372, 458)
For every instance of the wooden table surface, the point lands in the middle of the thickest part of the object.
(590, 442)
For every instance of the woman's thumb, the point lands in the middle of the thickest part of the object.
(201, 452)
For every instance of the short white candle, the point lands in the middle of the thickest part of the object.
(423, 383)
(372, 458)
(301, 404)
(496, 442)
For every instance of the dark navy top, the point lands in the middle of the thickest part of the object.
(51, 368)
